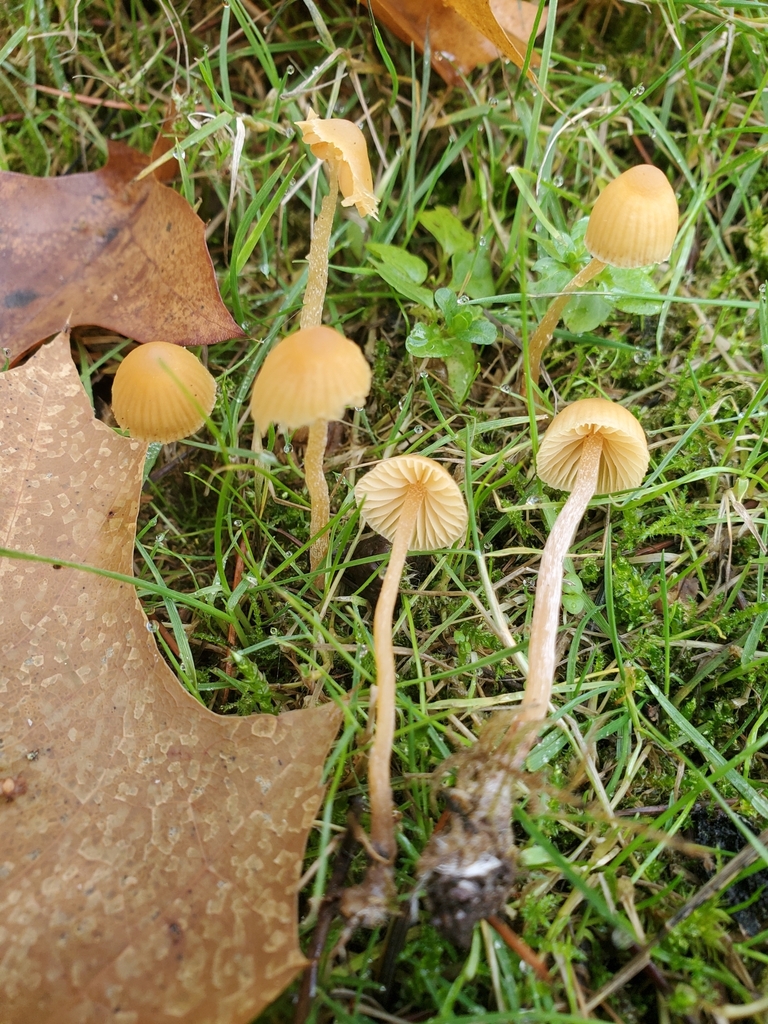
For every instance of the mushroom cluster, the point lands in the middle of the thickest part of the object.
(310, 378)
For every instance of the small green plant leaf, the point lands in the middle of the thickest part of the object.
(450, 233)
(641, 283)
(472, 273)
(461, 369)
(586, 312)
(392, 256)
(403, 284)
(479, 332)
(402, 271)
(429, 341)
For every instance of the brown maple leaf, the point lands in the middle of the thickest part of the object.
(149, 862)
(100, 248)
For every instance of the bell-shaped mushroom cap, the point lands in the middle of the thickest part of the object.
(313, 374)
(162, 392)
(342, 143)
(634, 221)
(442, 518)
(624, 457)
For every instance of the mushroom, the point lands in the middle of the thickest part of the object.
(592, 447)
(416, 505)
(341, 144)
(633, 224)
(309, 378)
(162, 392)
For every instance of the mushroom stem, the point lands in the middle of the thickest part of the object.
(317, 276)
(542, 336)
(379, 783)
(317, 486)
(549, 587)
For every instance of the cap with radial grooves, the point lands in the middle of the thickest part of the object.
(342, 143)
(624, 458)
(634, 220)
(313, 374)
(162, 392)
(443, 515)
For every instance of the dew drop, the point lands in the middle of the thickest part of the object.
(418, 430)
(288, 447)
(237, 522)
(423, 375)
(533, 499)
(557, 181)
(463, 300)
(506, 388)
(274, 631)
(600, 69)
(483, 242)
(244, 325)
(761, 289)
(153, 627)
(290, 69)
(637, 91)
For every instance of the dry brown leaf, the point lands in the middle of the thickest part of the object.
(499, 22)
(99, 248)
(456, 46)
(149, 849)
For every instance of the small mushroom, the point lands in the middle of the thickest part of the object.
(162, 392)
(307, 379)
(341, 144)
(633, 224)
(592, 447)
(416, 505)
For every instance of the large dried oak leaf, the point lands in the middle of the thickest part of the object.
(100, 248)
(148, 870)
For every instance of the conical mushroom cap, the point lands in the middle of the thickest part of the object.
(313, 374)
(162, 392)
(442, 518)
(634, 220)
(624, 458)
(342, 143)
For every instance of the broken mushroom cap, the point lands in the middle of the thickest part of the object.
(162, 392)
(343, 144)
(624, 458)
(313, 374)
(634, 220)
(442, 518)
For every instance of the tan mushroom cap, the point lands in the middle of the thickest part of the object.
(624, 457)
(342, 143)
(313, 374)
(162, 392)
(634, 220)
(442, 518)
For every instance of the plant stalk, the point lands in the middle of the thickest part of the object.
(312, 316)
(379, 781)
(317, 273)
(317, 485)
(542, 336)
(549, 587)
